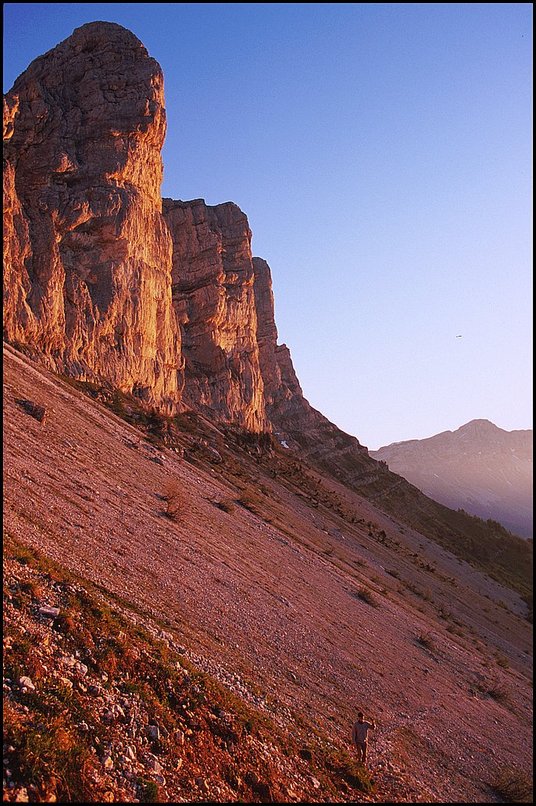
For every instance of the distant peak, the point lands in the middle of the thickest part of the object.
(479, 425)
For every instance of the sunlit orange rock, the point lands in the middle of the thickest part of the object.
(214, 302)
(87, 254)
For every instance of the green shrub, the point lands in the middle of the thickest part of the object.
(149, 792)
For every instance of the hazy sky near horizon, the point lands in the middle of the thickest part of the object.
(383, 155)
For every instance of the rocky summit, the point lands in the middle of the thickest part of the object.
(205, 577)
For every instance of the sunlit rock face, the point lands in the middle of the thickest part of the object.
(107, 281)
(214, 303)
(87, 254)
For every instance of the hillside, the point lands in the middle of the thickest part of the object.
(479, 468)
(162, 301)
(298, 600)
(205, 578)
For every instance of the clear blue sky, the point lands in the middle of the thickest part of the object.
(383, 155)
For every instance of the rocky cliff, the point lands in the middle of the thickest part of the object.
(213, 298)
(96, 281)
(161, 299)
(102, 284)
(87, 255)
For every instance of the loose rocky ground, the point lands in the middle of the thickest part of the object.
(292, 600)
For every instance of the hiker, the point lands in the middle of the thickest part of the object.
(359, 736)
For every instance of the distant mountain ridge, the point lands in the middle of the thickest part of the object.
(479, 468)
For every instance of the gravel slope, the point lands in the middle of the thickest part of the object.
(274, 611)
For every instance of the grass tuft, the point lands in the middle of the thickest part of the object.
(173, 497)
(365, 595)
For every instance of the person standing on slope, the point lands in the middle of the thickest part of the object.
(359, 736)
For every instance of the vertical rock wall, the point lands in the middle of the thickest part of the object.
(87, 254)
(214, 303)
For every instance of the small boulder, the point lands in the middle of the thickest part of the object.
(48, 611)
(26, 682)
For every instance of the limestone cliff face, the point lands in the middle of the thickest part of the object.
(87, 254)
(214, 303)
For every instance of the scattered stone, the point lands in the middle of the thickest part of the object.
(26, 683)
(118, 711)
(153, 732)
(49, 611)
(81, 668)
(202, 784)
(153, 764)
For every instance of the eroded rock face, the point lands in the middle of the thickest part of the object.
(87, 255)
(214, 303)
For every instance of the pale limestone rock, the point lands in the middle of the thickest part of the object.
(214, 303)
(87, 254)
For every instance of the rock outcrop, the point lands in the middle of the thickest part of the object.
(87, 256)
(214, 302)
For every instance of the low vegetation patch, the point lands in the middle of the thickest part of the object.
(365, 595)
(350, 770)
(499, 692)
(427, 641)
(514, 786)
(502, 661)
(175, 506)
(227, 505)
(251, 501)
